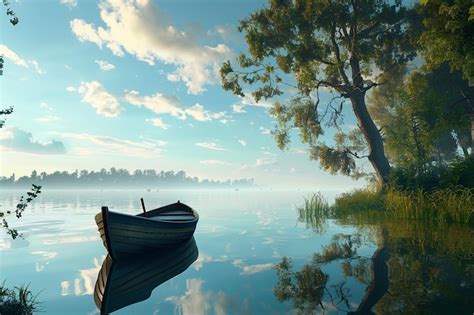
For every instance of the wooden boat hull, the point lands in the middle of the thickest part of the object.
(121, 283)
(124, 235)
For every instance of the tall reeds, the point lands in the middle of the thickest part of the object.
(449, 205)
(314, 212)
(442, 206)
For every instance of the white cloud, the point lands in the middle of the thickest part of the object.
(265, 131)
(198, 302)
(141, 29)
(260, 162)
(248, 100)
(47, 119)
(197, 112)
(202, 259)
(104, 65)
(242, 142)
(264, 161)
(172, 77)
(166, 104)
(45, 255)
(158, 103)
(86, 32)
(11, 55)
(210, 146)
(159, 123)
(85, 284)
(44, 105)
(215, 162)
(238, 108)
(147, 149)
(157, 142)
(269, 153)
(37, 68)
(251, 269)
(95, 94)
(18, 140)
(69, 3)
(227, 32)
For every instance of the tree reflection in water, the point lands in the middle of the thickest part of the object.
(309, 287)
(416, 268)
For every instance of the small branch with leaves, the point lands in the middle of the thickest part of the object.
(13, 18)
(20, 208)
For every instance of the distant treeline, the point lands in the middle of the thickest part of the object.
(119, 178)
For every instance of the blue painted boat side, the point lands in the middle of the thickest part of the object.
(125, 235)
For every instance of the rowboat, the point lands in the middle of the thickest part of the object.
(124, 235)
(125, 282)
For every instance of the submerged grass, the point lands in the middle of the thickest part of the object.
(448, 205)
(18, 301)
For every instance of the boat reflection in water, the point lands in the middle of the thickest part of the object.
(125, 282)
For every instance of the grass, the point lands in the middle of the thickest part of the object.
(449, 205)
(357, 201)
(442, 206)
(17, 301)
(314, 212)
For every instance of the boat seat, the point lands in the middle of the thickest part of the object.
(173, 217)
(177, 212)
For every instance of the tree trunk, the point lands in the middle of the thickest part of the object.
(380, 282)
(472, 134)
(372, 136)
(470, 100)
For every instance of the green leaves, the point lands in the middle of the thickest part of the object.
(448, 34)
(20, 208)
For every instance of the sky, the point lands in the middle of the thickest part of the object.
(135, 85)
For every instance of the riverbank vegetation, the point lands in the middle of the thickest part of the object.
(450, 205)
(18, 301)
(444, 195)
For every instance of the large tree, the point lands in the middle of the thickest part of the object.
(322, 44)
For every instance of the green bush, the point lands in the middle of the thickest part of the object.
(459, 173)
(358, 201)
(17, 301)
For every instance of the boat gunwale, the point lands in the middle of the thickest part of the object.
(105, 219)
(149, 219)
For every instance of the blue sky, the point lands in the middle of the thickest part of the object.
(134, 84)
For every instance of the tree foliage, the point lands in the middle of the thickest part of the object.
(424, 116)
(449, 34)
(316, 45)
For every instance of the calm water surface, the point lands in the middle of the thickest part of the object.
(255, 256)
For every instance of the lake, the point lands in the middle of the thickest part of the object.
(256, 254)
